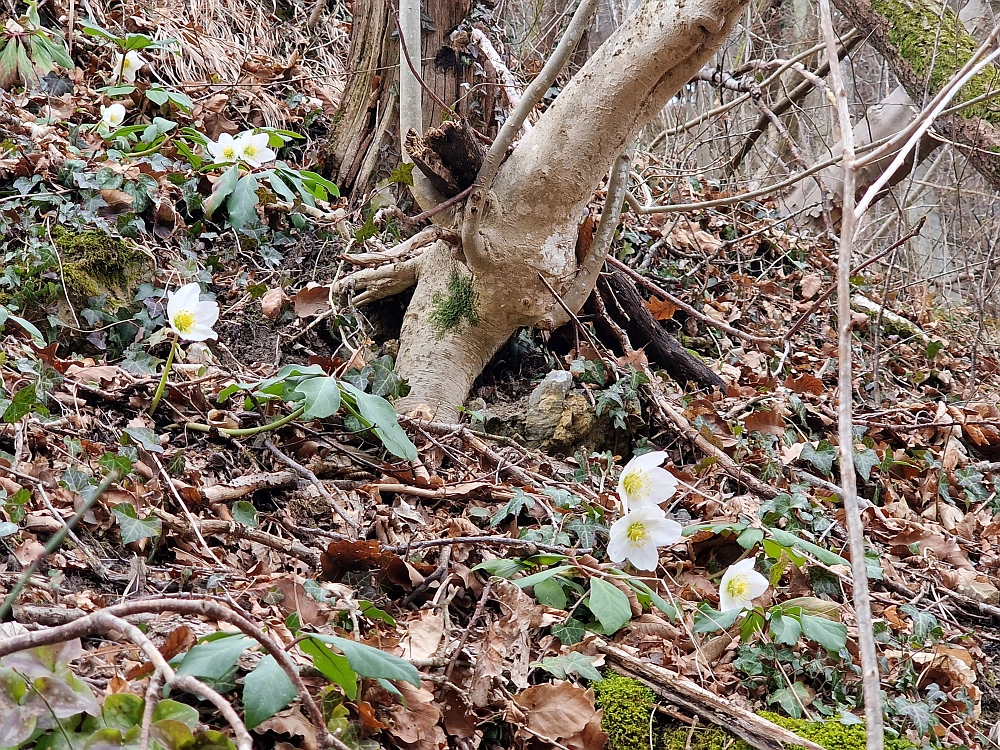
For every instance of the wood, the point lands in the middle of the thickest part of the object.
(978, 139)
(644, 330)
(449, 156)
(682, 692)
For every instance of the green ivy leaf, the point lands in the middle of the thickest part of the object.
(917, 711)
(131, 527)
(266, 691)
(609, 605)
(822, 456)
(708, 620)
(21, 404)
(570, 632)
(145, 437)
(572, 663)
(791, 699)
(864, 461)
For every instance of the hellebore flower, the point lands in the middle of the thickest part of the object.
(644, 483)
(226, 149)
(127, 65)
(636, 536)
(740, 585)
(189, 318)
(112, 116)
(253, 148)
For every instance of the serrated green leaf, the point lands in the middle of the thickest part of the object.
(708, 620)
(502, 567)
(609, 605)
(266, 691)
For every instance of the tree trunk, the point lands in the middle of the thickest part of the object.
(895, 112)
(530, 217)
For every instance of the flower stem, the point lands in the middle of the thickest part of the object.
(163, 379)
(245, 431)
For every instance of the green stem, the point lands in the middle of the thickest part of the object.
(244, 431)
(163, 379)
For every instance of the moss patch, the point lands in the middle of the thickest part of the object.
(461, 304)
(936, 53)
(94, 264)
(830, 734)
(627, 705)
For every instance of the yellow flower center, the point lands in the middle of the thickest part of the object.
(229, 152)
(739, 588)
(636, 483)
(184, 321)
(250, 150)
(637, 533)
(126, 64)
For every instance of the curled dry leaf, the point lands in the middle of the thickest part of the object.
(273, 303)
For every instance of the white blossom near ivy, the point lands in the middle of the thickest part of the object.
(127, 65)
(643, 482)
(190, 318)
(225, 150)
(637, 535)
(740, 585)
(253, 148)
(112, 116)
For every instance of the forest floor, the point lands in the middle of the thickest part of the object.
(315, 529)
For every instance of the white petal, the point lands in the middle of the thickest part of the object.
(645, 557)
(200, 332)
(758, 584)
(618, 548)
(650, 460)
(184, 298)
(206, 313)
(666, 532)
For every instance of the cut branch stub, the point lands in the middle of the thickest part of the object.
(450, 156)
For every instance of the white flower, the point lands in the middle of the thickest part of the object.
(190, 319)
(253, 148)
(112, 116)
(637, 535)
(643, 482)
(226, 149)
(740, 585)
(127, 65)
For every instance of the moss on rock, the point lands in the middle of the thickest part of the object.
(627, 705)
(95, 264)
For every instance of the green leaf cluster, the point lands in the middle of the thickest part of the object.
(31, 52)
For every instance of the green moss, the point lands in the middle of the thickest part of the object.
(94, 264)
(830, 734)
(627, 705)
(936, 50)
(461, 304)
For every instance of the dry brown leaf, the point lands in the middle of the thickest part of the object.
(312, 300)
(415, 725)
(661, 309)
(273, 303)
(810, 285)
(424, 634)
(557, 710)
(805, 383)
(767, 422)
(294, 724)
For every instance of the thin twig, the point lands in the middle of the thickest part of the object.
(871, 686)
(320, 487)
